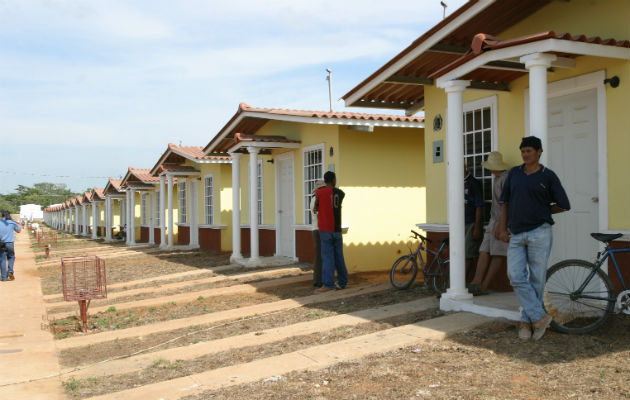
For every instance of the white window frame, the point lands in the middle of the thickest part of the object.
(260, 194)
(157, 208)
(182, 197)
(143, 209)
(208, 199)
(306, 193)
(472, 106)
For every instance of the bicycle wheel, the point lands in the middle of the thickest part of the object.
(404, 271)
(571, 312)
(440, 278)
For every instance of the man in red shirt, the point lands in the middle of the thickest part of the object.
(328, 208)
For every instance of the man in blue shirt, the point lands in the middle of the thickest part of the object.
(473, 214)
(7, 250)
(531, 193)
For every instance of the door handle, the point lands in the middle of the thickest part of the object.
(595, 199)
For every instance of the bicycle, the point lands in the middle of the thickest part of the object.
(580, 296)
(436, 274)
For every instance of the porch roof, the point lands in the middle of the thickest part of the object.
(113, 186)
(98, 194)
(175, 155)
(248, 120)
(399, 84)
(177, 169)
(505, 67)
(242, 140)
(87, 197)
(138, 177)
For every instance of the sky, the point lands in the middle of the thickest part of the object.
(90, 87)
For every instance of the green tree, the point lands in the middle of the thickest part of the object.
(43, 194)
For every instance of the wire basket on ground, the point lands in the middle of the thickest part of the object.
(83, 279)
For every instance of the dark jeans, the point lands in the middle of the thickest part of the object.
(317, 264)
(7, 253)
(332, 260)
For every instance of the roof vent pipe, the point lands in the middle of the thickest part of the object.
(444, 5)
(329, 79)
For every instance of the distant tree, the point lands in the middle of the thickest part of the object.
(43, 194)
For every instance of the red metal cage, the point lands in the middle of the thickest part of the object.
(83, 278)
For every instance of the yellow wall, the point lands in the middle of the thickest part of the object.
(222, 192)
(593, 18)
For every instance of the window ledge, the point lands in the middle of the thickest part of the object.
(213, 226)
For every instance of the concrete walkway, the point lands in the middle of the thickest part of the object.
(26, 351)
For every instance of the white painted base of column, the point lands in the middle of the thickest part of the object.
(468, 305)
(236, 259)
(253, 262)
(456, 295)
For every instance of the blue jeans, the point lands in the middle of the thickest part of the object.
(530, 248)
(7, 254)
(332, 260)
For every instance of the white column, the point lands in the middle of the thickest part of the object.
(162, 219)
(169, 186)
(537, 65)
(108, 218)
(127, 209)
(76, 220)
(132, 218)
(94, 220)
(236, 208)
(455, 190)
(151, 216)
(254, 259)
(194, 212)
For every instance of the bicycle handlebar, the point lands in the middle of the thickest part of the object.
(416, 235)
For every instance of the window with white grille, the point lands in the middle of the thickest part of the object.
(143, 208)
(181, 195)
(479, 141)
(313, 160)
(208, 196)
(157, 208)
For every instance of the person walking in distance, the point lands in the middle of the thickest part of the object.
(317, 265)
(328, 207)
(531, 193)
(8, 227)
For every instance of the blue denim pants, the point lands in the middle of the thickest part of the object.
(332, 260)
(531, 249)
(7, 255)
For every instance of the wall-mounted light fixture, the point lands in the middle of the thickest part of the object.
(270, 161)
(331, 152)
(614, 81)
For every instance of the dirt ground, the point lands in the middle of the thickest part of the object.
(162, 369)
(485, 363)
(200, 333)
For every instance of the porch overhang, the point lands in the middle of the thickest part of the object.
(242, 142)
(175, 170)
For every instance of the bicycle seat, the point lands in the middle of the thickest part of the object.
(606, 237)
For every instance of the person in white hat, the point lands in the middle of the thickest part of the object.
(492, 252)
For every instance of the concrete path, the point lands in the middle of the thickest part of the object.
(136, 363)
(103, 305)
(26, 351)
(313, 358)
(227, 315)
(165, 285)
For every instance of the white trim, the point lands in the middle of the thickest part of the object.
(266, 227)
(183, 224)
(213, 226)
(291, 156)
(185, 202)
(205, 211)
(542, 46)
(424, 46)
(264, 145)
(319, 146)
(438, 228)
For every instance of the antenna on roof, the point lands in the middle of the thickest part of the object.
(444, 5)
(329, 79)
(180, 143)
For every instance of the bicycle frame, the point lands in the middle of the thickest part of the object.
(608, 252)
(436, 255)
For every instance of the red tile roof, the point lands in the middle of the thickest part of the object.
(142, 175)
(194, 153)
(483, 42)
(251, 124)
(99, 193)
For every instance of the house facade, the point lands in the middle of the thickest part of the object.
(497, 70)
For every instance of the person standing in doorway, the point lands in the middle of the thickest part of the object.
(531, 194)
(8, 227)
(317, 264)
(473, 215)
(492, 252)
(328, 207)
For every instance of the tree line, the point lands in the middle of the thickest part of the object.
(43, 194)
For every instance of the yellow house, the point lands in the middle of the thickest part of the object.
(97, 208)
(114, 208)
(139, 187)
(277, 155)
(202, 184)
(497, 70)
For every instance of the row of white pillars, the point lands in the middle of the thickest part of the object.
(537, 64)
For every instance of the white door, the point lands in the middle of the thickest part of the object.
(573, 157)
(285, 213)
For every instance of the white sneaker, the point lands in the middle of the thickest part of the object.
(524, 331)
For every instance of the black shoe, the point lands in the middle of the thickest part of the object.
(11, 277)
